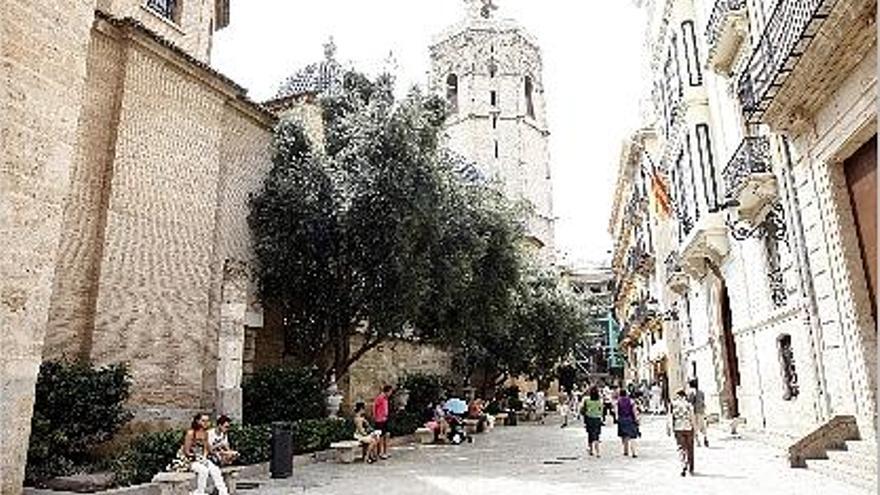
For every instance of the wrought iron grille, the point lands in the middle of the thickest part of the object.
(165, 8)
(673, 264)
(788, 33)
(721, 9)
(752, 157)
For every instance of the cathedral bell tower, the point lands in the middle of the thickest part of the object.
(489, 70)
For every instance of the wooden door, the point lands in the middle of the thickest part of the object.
(861, 181)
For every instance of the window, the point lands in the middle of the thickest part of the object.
(530, 105)
(694, 370)
(695, 75)
(704, 148)
(165, 8)
(493, 68)
(494, 122)
(694, 185)
(493, 98)
(496, 148)
(790, 388)
(452, 92)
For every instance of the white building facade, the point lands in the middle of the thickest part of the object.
(765, 117)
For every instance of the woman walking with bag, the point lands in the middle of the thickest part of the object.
(627, 423)
(592, 413)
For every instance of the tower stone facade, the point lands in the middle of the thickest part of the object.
(490, 70)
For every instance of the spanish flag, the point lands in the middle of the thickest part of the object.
(660, 194)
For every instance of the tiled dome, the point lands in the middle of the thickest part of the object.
(323, 78)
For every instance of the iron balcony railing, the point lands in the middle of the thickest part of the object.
(721, 9)
(789, 31)
(165, 8)
(752, 157)
(673, 264)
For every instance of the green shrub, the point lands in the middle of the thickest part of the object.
(253, 442)
(283, 394)
(424, 390)
(311, 435)
(146, 455)
(76, 407)
(405, 422)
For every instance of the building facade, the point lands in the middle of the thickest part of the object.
(490, 71)
(129, 164)
(765, 117)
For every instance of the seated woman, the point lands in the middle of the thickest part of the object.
(475, 411)
(194, 454)
(364, 433)
(437, 423)
(218, 440)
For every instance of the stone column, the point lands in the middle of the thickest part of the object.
(43, 52)
(230, 348)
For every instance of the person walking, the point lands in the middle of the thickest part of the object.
(380, 418)
(592, 410)
(564, 409)
(627, 423)
(681, 424)
(698, 400)
(607, 404)
(656, 399)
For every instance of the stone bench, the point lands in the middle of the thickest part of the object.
(471, 426)
(425, 435)
(501, 419)
(183, 483)
(346, 451)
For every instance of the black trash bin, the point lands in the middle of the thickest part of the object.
(281, 464)
(511, 418)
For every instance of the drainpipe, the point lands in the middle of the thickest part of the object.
(808, 292)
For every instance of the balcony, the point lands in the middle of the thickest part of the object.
(640, 261)
(707, 242)
(748, 177)
(676, 277)
(787, 36)
(725, 32)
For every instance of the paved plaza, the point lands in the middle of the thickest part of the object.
(546, 459)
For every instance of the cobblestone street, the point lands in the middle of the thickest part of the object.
(533, 459)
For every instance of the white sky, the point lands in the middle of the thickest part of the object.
(591, 52)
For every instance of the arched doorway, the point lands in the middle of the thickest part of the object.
(731, 362)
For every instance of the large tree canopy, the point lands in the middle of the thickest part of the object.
(376, 234)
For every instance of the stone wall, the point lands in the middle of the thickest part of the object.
(43, 46)
(168, 152)
(191, 31)
(388, 364)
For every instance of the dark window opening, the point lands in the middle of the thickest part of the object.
(494, 122)
(493, 98)
(168, 9)
(452, 92)
(691, 53)
(789, 372)
(496, 148)
(704, 148)
(530, 105)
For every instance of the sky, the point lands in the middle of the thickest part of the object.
(591, 51)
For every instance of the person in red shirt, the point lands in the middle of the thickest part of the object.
(380, 418)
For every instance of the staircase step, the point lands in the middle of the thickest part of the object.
(862, 447)
(845, 472)
(865, 463)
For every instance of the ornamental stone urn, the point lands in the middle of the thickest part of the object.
(334, 398)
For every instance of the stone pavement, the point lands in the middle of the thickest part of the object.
(533, 460)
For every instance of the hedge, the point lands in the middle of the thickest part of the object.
(150, 453)
(76, 408)
(283, 394)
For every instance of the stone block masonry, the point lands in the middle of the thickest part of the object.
(43, 46)
(167, 154)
